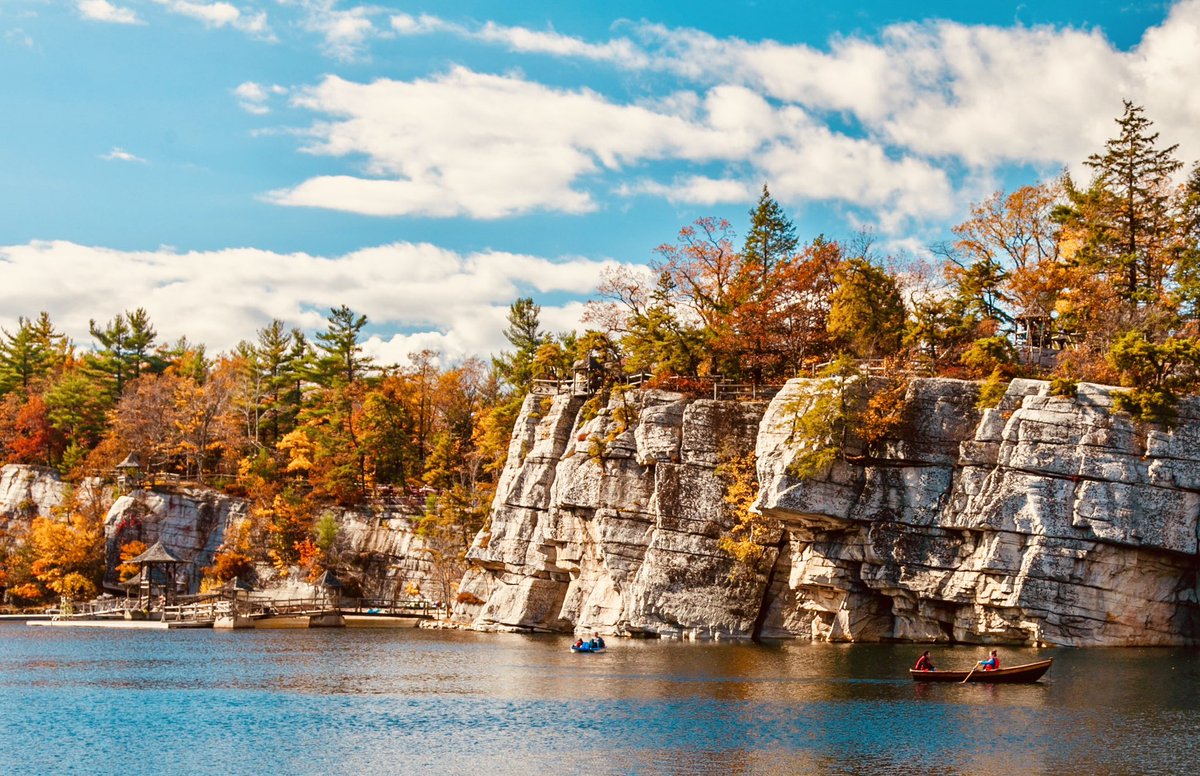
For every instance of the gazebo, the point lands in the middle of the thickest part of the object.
(158, 567)
(129, 473)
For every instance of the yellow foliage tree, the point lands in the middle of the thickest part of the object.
(69, 555)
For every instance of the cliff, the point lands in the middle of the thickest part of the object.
(1044, 520)
(377, 548)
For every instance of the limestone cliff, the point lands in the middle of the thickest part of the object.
(1046, 519)
(611, 522)
(378, 548)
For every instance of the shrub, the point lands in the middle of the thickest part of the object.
(1064, 386)
(992, 390)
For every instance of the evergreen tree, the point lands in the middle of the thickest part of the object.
(125, 349)
(1187, 264)
(866, 313)
(770, 242)
(34, 351)
(77, 407)
(762, 289)
(525, 334)
(1134, 174)
(342, 362)
(280, 360)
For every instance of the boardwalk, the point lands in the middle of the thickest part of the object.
(291, 612)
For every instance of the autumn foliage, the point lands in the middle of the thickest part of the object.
(1063, 279)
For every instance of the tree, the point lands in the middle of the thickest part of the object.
(147, 421)
(866, 314)
(389, 432)
(1160, 373)
(525, 335)
(34, 439)
(76, 406)
(125, 349)
(68, 553)
(200, 409)
(342, 362)
(1134, 176)
(185, 359)
(768, 293)
(770, 242)
(33, 352)
(1186, 290)
(702, 265)
(653, 336)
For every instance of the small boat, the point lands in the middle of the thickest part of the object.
(1022, 674)
(586, 648)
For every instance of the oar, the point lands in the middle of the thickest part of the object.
(964, 681)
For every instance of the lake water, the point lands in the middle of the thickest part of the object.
(415, 701)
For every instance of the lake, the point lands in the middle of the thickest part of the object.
(422, 701)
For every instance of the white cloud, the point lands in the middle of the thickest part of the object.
(253, 97)
(936, 93)
(489, 146)
(118, 154)
(480, 145)
(693, 189)
(19, 37)
(414, 295)
(220, 14)
(104, 11)
(345, 32)
(405, 24)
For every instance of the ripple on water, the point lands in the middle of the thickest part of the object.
(364, 702)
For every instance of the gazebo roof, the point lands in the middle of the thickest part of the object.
(131, 462)
(135, 580)
(330, 580)
(157, 554)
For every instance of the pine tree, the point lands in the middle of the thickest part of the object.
(866, 313)
(342, 362)
(770, 242)
(34, 351)
(768, 253)
(525, 334)
(1135, 176)
(125, 349)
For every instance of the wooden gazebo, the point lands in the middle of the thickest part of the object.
(156, 576)
(129, 473)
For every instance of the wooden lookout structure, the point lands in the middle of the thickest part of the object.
(156, 580)
(129, 473)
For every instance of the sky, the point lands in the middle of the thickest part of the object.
(223, 164)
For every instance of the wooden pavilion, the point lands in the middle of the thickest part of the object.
(157, 577)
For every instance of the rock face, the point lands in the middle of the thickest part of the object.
(380, 548)
(25, 493)
(1044, 520)
(611, 523)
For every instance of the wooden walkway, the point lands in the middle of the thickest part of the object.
(203, 613)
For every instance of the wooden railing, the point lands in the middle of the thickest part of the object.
(716, 387)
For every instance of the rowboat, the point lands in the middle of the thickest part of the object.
(1022, 674)
(586, 648)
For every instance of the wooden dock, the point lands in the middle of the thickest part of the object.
(260, 613)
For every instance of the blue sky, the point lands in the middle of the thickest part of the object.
(226, 163)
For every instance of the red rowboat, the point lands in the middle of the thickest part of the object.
(1023, 674)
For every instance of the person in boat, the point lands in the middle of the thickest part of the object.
(924, 663)
(579, 644)
(991, 664)
(597, 642)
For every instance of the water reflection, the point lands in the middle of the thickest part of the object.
(368, 701)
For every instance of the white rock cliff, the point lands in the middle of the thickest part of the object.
(1044, 520)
